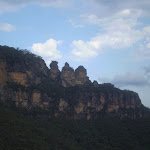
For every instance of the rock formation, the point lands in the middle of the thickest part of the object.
(29, 83)
(54, 71)
(3, 76)
(81, 76)
(95, 84)
(67, 76)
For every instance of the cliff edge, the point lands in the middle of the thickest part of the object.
(27, 82)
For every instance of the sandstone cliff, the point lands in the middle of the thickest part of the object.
(26, 81)
(68, 77)
(21, 67)
(54, 71)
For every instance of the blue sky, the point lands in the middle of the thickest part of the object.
(111, 38)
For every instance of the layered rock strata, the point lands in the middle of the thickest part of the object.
(29, 83)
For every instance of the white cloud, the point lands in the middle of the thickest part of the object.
(104, 8)
(54, 3)
(13, 5)
(84, 50)
(148, 45)
(9, 6)
(75, 25)
(146, 29)
(119, 28)
(119, 32)
(47, 50)
(129, 16)
(5, 27)
(147, 72)
(143, 51)
(127, 79)
(118, 21)
(147, 69)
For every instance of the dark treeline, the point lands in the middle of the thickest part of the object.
(21, 132)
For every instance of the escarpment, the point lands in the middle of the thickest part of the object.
(26, 81)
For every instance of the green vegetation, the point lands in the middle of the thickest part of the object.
(21, 60)
(14, 86)
(22, 129)
(15, 55)
(22, 132)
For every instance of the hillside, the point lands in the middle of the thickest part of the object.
(18, 131)
(49, 109)
(27, 82)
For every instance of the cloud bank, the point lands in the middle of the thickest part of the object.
(5, 27)
(118, 31)
(13, 5)
(127, 79)
(118, 22)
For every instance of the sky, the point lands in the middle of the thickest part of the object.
(110, 38)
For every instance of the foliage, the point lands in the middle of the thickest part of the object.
(21, 60)
(15, 86)
(15, 55)
(24, 130)
(20, 132)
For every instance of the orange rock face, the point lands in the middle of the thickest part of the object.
(79, 108)
(67, 76)
(102, 99)
(3, 75)
(111, 108)
(62, 105)
(19, 77)
(36, 97)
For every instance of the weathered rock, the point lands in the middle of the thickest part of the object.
(31, 87)
(24, 68)
(18, 77)
(54, 71)
(36, 97)
(67, 76)
(81, 76)
(95, 84)
(3, 76)
(62, 105)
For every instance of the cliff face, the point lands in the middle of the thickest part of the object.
(92, 103)
(21, 67)
(3, 76)
(67, 76)
(28, 83)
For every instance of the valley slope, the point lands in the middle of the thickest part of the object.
(26, 82)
